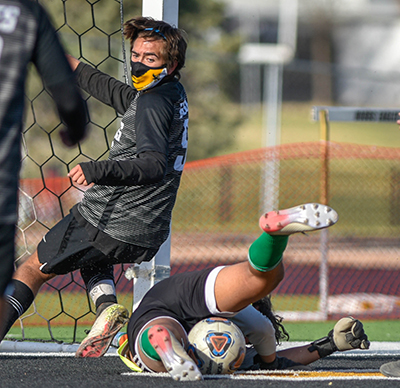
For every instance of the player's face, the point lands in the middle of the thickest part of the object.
(148, 52)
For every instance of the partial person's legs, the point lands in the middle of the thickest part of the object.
(110, 316)
(26, 284)
(100, 285)
(7, 249)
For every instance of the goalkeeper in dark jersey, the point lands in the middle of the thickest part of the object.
(26, 35)
(125, 215)
(157, 340)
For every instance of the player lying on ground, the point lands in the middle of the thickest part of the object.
(157, 330)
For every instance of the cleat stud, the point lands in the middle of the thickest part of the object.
(184, 374)
(198, 378)
(159, 329)
(330, 222)
(150, 336)
(317, 214)
(305, 222)
(302, 207)
(181, 361)
(318, 223)
(315, 206)
(267, 226)
(169, 369)
(191, 367)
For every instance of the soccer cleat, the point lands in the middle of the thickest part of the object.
(174, 357)
(391, 369)
(302, 218)
(105, 327)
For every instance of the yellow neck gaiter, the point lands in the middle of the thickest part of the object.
(144, 77)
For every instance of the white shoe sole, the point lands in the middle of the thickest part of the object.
(298, 219)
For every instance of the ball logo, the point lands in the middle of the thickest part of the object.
(218, 343)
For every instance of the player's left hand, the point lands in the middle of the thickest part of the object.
(348, 334)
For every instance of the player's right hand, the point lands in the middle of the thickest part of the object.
(77, 176)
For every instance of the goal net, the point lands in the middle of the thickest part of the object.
(91, 32)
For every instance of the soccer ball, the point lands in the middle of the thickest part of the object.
(217, 345)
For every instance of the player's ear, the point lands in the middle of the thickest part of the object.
(172, 69)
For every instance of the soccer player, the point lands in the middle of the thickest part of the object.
(157, 330)
(125, 216)
(26, 35)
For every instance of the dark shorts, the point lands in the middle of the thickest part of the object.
(7, 254)
(68, 246)
(180, 296)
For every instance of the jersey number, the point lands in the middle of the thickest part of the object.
(180, 160)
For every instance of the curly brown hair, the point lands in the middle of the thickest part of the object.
(264, 306)
(175, 39)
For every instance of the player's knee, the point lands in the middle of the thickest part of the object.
(31, 269)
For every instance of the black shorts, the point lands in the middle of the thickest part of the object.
(7, 254)
(181, 296)
(68, 246)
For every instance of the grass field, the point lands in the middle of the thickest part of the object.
(297, 126)
(299, 331)
(63, 329)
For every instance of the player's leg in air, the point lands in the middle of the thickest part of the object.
(241, 284)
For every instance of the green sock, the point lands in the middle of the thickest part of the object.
(147, 347)
(266, 252)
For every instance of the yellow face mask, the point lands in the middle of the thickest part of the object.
(144, 77)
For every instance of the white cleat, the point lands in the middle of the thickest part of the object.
(302, 218)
